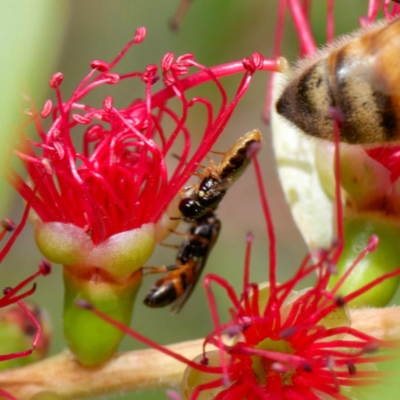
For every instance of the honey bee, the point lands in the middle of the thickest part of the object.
(217, 179)
(359, 76)
(182, 277)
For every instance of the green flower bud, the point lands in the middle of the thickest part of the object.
(193, 377)
(386, 258)
(17, 332)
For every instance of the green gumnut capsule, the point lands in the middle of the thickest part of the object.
(12, 340)
(385, 259)
(17, 332)
(92, 340)
(192, 377)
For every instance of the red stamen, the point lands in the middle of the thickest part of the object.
(7, 395)
(270, 228)
(143, 339)
(302, 26)
(21, 225)
(8, 226)
(179, 14)
(330, 22)
(247, 262)
(280, 20)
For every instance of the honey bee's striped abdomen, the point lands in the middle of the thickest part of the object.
(359, 77)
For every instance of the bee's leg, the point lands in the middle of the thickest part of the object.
(187, 188)
(159, 270)
(200, 175)
(172, 246)
(178, 157)
(196, 173)
(213, 168)
(191, 237)
(175, 218)
(183, 234)
(213, 164)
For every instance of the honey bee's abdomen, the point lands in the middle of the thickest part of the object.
(359, 78)
(362, 95)
(306, 100)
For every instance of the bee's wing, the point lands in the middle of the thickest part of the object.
(215, 225)
(212, 227)
(179, 303)
(380, 49)
(225, 184)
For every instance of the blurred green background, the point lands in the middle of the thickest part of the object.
(41, 37)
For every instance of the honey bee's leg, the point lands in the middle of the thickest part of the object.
(219, 153)
(159, 270)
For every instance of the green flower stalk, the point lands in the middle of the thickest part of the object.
(100, 208)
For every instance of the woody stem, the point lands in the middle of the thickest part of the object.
(145, 369)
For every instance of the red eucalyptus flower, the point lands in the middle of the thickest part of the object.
(287, 344)
(119, 180)
(100, 208)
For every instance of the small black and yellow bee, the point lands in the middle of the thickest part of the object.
(181, 278)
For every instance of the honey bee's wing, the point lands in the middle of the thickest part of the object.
(179, 303)
(382, 51)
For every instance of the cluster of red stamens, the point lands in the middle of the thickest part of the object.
(298, 341)
(120, 180)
